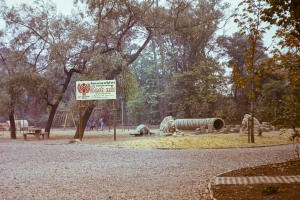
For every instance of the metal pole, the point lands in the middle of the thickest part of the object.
(115, 132)
(248, 128)
(122, 105)
(80, 121)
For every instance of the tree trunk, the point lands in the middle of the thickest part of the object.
(160, 89)
(85, 118)
(54, 106)
(13, 134)
(252, 129)
(11, 117)
(252, 115)
(252, 87)
(161, 81)
(51, 117)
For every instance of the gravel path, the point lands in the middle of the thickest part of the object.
(73, 171)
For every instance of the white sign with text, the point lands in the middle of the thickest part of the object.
(96, 90)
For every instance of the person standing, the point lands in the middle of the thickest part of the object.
(101, 124)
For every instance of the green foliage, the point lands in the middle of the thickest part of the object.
(176, 76)
(227, 109)
(286, 16)
(271, 103)
(145, 89)
(252, 30)
(195, 92)
(291, 114)
(138, 108)
(128, 86)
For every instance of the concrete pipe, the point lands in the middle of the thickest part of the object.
(192, 124)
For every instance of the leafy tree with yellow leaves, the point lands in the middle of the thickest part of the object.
(248, 20)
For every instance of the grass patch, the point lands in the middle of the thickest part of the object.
(207, 141)
(188, 141)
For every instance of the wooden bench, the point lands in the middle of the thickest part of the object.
(37, 132)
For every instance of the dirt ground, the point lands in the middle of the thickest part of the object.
(189, 141)
(275, 191)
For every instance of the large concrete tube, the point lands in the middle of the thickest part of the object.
(192, 124)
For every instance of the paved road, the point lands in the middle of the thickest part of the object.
(72, 171)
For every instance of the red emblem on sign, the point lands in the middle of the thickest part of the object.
(83, 88)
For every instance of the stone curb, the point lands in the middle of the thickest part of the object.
(255, 180)
(219, 180)
(210, 191)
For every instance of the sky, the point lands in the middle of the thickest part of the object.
(64, 6)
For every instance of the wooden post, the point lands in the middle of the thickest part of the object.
(66, 119)
(73, 120)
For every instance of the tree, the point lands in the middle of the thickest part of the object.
(18, 85)
(12, 66)
(15, 69)
(54, 46)
(116, 25)
(271, 103)
(250, 25)
(168, 68)
(196, 77)
(159, 50)
(231, 47)
(286, 16)
(146, 97)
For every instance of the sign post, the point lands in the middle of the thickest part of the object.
(115, 130)
(80, 122)
(96, 90)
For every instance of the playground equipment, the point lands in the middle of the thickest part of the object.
(62, 119)
(66, 118)
(192, 124)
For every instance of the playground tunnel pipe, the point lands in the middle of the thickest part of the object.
(192, 124)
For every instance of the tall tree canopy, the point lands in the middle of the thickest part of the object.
(286, 59)
(177, 72)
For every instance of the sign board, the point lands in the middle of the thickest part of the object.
(96, 90)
